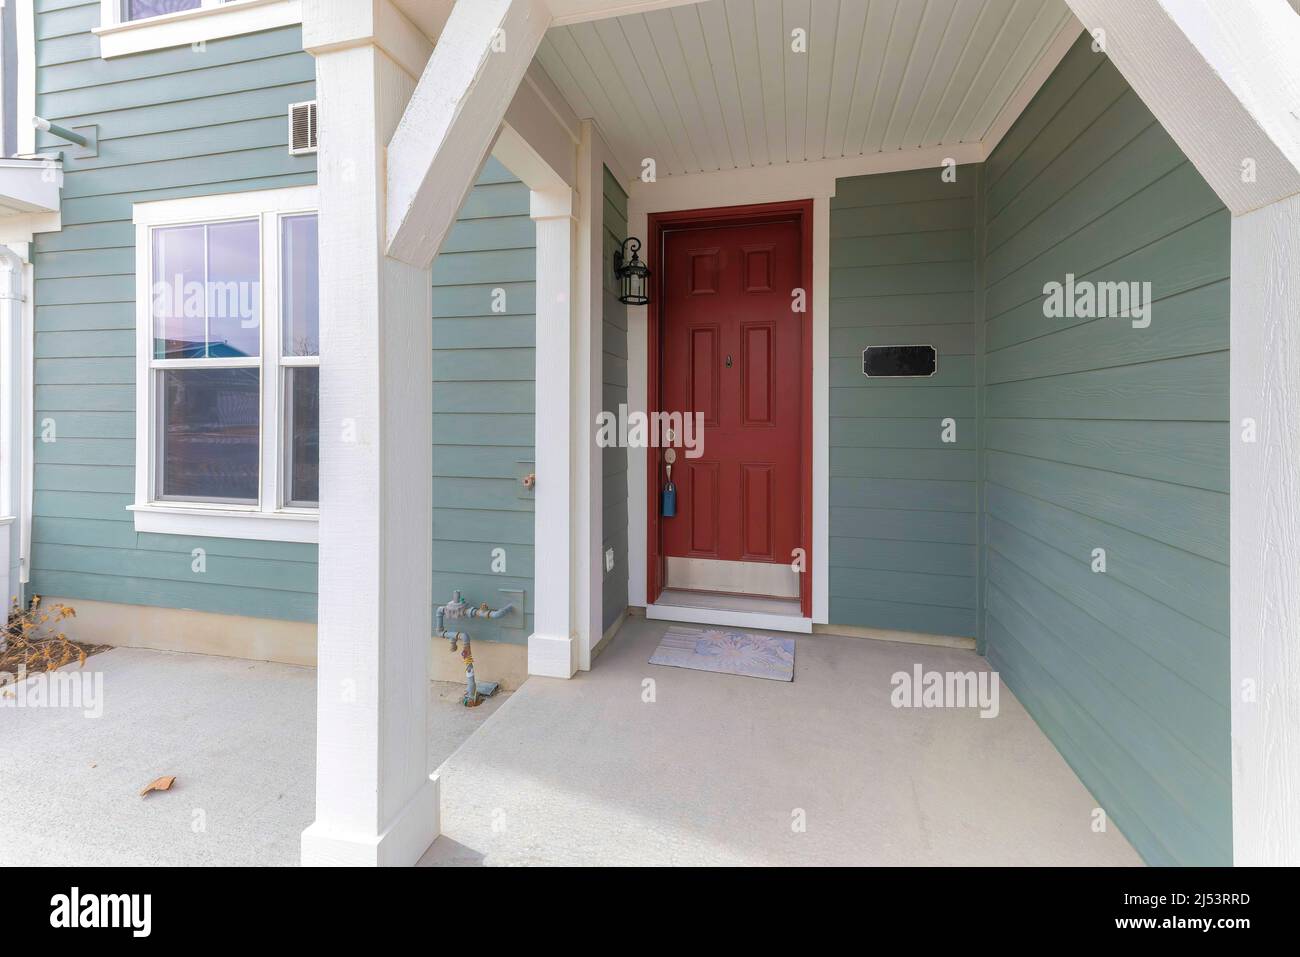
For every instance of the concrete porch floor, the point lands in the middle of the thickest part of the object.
(239, 735)
(584, 772)
(560, 772)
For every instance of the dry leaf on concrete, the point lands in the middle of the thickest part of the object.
(163, 783)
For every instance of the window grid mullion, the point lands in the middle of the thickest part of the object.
(270, 428)
(207, 331)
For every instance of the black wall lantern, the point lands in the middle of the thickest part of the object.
(633, 274)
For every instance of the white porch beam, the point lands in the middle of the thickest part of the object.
(375, 800)
(539, 136)
(1222, 78)
(452, 119)
(762, 184)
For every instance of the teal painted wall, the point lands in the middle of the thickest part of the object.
(903, 503)
(182, 123)
(1099, 435)
(614, 393)
(172, 123)
(483, 400)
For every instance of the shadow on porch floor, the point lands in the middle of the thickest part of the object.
(584, 772)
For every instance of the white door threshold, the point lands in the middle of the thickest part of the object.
(732, 612)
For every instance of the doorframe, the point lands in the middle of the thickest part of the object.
(657, 226)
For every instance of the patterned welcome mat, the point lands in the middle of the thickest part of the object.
(727, 652)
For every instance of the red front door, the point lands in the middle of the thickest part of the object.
(732, 350)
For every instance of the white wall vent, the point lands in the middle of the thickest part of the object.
(302, 128)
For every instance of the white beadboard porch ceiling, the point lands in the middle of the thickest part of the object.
(716, 85)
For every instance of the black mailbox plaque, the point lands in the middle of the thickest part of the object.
(899, 361)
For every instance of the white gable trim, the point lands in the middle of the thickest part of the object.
(1223, 79)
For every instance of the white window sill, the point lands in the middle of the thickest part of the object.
(196, 26)
(208, 522)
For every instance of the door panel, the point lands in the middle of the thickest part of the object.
(756, 383)
(732, 350)
(701, 501)
(703, 373)
(757, 505)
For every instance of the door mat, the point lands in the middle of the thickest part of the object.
(727, 652)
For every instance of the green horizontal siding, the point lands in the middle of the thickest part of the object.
(172, 123)
(181, 122)
(903, 552)
(1073, 434)
(614, 394)
(483, 372)
(1099, 435)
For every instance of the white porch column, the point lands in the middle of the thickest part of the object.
(552, 650)
(1265, 522)
(375, 801)
(588, 399)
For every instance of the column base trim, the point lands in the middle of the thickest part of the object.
(552, 656)
(401, 844)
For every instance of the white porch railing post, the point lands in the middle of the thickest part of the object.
(375, 801)
(552, 650)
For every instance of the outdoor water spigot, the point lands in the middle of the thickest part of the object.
(458, 608)
(529, 481)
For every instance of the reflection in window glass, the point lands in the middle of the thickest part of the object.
(207, 291)
(208, 421)
(180, 328)
(304, 435)
(300, 288)
(139, 9)
(234, 289)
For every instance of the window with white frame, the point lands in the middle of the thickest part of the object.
(228, 365)
(139, 9)
(129, 11)
(134, 26)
